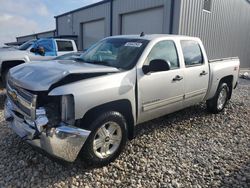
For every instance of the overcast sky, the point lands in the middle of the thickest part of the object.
(23, 17)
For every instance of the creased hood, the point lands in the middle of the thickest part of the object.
(40, 76)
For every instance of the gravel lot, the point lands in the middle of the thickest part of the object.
(191, 148)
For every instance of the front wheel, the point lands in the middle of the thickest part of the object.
(218, 103)
(107, 139)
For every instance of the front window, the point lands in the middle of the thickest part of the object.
(121, 53)
(164, 50)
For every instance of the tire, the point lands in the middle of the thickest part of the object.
(102, 146)
(4, 77)
(219, 101)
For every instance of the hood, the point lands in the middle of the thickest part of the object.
(40, 76)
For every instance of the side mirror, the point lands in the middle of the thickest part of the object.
(156, 65)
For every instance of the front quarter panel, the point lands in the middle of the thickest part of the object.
(94, 92)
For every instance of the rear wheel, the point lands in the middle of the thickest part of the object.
(218, 103)
(107, 139)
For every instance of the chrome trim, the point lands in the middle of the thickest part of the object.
(195, 93)
(64, 141)
(15, 108)
(161, 103)
(14, 94)
(222, 99)
(107, 139)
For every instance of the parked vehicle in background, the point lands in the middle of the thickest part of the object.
(27, 45)
(92, 106)
(41, 49)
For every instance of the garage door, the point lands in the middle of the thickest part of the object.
(148, 21)
(92, 32)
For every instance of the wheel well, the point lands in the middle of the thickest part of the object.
(10, 64)
(229, 81)
(122, 106)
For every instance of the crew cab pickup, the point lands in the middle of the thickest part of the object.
(33, 50)
(89, 107)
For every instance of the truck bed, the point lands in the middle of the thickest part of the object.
(220, 68)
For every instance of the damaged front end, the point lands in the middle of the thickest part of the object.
(45, 121)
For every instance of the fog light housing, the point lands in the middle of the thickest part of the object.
(41, 119)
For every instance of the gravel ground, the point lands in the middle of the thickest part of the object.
(191, 148)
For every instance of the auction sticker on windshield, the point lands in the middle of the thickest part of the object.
(133, 44)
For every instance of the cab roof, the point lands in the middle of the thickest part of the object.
(155, 36)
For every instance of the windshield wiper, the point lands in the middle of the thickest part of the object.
(105, 63)
(100, 63)
(79, 59)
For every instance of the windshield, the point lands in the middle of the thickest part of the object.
(26, 45)
(121, 53)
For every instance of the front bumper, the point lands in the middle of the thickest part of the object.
(63, 141)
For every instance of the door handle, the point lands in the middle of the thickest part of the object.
(178, 78)
(203, 73)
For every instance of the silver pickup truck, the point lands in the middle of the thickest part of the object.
(89, 107)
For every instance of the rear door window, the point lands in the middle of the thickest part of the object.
(192, 53)
(64, 46)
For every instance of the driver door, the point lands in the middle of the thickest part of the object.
(160, 92)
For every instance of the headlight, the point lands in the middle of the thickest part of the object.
(68, 109)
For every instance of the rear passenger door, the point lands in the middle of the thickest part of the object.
(196, 73)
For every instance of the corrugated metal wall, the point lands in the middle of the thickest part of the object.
(225, 30)
(71, 24)
(64, 25)
(121, 7)
(25, 38)
(46, 34)
(36, 35)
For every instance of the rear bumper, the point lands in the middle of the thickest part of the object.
(63, 141)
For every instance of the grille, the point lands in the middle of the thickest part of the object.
(24, 100)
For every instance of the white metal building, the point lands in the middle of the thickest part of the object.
(223, 25)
